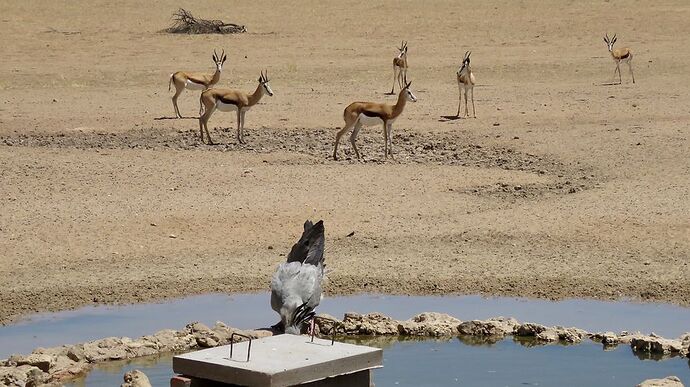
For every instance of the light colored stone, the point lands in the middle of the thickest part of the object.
(110, 348)
(135, 378)
(608, 339)
(369, 324)
(141, 347)
(570, 335)
(429, 324)
(549, 335)
(76, 369)
(38, 360)
(497, 326)
(528, 329)
(669, 381)
(626, 337)
(76, 352)
(324, 324)
(658, 345)
(169, 340)
(23, 375)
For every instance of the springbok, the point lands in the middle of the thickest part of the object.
(195, 81)
(231, 100)
(359, 114)
(400, 67)
(466, 83)
(619, 55)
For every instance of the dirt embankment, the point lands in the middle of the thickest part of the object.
(562, 187)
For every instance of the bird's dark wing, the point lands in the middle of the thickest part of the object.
(309, 248)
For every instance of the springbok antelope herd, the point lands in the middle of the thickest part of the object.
(356, 114)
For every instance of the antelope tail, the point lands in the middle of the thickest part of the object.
(170, 82)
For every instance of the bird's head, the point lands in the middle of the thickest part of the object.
(294, 314)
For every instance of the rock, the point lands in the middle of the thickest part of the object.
(135, 378)
(685, 342)
(609, 339)
(658, 345)
(626, 337)
(40, 361)
(258, 333)
(140, 347)
(206, 342)
(168, 340)
(76, 352)
(203, 335)
(496, 326)
(570, 335)
(369, 324)
(669, 381)
(429, 324)
(549, 335)
(110, 348)
(323, 324)
(24, 375)
(70, 372)
(61, 362)
(528, 329)
(196, 327)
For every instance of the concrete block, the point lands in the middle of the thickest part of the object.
(281, 361)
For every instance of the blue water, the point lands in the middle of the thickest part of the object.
(454, 363)
(253, 311)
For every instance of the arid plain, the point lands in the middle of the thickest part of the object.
(562, 187)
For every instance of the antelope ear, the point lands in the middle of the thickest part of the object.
(214, 58)
(224, 58)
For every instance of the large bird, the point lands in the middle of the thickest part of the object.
(296, 284)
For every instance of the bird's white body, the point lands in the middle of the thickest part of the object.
(296, 281)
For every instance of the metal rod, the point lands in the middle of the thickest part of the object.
(232, 342)
(334, 327)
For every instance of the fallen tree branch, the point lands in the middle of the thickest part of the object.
(185, 23)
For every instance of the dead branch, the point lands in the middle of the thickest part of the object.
(185, 23)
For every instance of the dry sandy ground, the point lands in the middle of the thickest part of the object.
(562, 187)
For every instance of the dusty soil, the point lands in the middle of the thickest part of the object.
(562, 187)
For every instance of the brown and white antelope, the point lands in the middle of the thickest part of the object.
(466, 83)
(195, 81)
(400, 67)
(231, 100)
(619, 55)
(359, 114)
